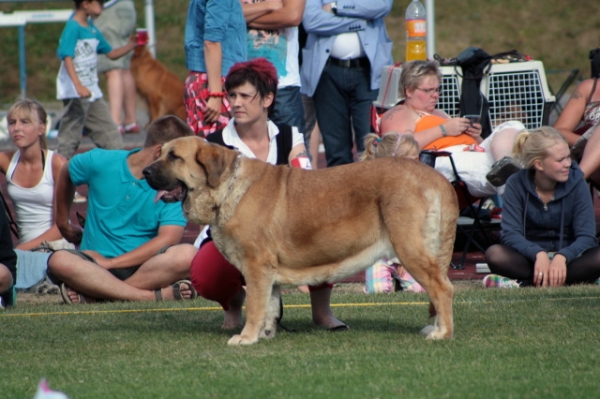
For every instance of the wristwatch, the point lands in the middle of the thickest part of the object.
(334, 7)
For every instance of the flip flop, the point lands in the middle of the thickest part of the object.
(340, 328)
(177, 290)
(65, 296)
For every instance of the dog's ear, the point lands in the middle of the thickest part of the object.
(214, 161)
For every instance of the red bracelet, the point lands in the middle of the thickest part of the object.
(217, 94)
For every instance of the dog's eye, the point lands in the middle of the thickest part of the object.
(172, 156)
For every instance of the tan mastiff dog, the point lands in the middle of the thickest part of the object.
(282, 225)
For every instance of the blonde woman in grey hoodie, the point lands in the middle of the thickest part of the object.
(548, 222)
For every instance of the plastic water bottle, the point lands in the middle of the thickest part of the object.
(416, 31)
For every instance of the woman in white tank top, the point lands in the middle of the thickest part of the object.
(31, 173)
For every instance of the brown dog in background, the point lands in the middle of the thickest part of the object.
(265, 224)
(162, 88)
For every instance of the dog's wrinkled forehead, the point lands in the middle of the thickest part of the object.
(181, 148)
(189, 158)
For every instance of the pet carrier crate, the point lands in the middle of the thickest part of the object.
(515, 91)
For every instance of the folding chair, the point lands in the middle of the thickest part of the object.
(466, 225)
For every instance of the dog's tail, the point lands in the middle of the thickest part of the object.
(442, 216)
(440, 220)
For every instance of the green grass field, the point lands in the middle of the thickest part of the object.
(525, 343)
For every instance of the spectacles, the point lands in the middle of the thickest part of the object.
(430, 91)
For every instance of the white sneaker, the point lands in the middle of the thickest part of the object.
(78, 198)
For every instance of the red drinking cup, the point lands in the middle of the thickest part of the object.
(141, 36)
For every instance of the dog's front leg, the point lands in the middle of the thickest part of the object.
(259, 284)
(154, 102)
(270, 327)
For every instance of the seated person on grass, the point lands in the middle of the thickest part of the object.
(579, 122)
(31, 175)
(548, 223)
(128, 248)
(8, 262)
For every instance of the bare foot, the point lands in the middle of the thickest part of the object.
(185, 290)
(321, 310)
(303, 288)
(77, 298)
(327, 321)
(233, 317)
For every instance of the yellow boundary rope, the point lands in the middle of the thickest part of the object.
(213, 308)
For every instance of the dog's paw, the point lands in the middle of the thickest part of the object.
(239, 339)
(435, 333)
(268, 333)
(427, 330)
(434, 336)
(269, 329)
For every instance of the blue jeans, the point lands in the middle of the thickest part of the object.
(288, 108)
(343, 101)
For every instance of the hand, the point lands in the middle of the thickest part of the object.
(213, 109)
(558, 271)
(474, 130)
(83, 91)
(327, 7)
(540, 269)
(457, 126)
(71, 233)
(100, 260)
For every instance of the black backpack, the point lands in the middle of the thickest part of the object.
(475, 64)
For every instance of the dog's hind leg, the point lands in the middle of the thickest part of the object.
(259, 285)
(431, 277)
(273, 314)
(441, 300)
(442, 248)
(427, 258)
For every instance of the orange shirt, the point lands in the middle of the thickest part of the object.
(429, 121)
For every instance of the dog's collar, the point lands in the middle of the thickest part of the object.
(235, 172)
